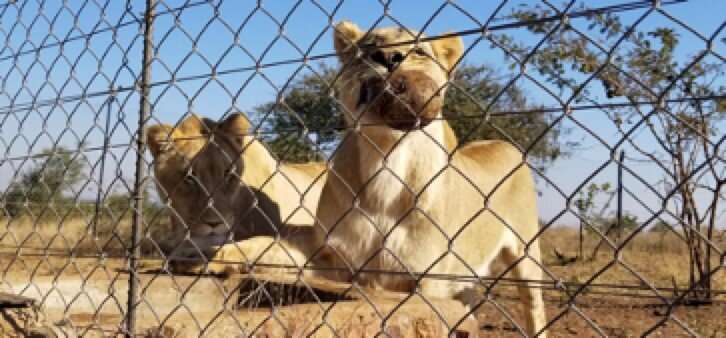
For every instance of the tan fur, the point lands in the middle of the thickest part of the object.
(406, 198)
(395, 200)
(218, 179)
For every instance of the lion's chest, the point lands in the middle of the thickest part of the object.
(400, 190)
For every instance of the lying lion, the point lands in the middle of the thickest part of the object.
(222, 182)
(402, 199)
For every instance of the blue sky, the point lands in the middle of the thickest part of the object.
(95, 64)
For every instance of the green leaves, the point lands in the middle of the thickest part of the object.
(308, 106)
(306, 123)
(58, 170)
(479, 90)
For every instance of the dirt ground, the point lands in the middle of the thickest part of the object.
(617, 317)
(87, 296)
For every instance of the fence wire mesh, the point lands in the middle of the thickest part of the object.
(444, 168)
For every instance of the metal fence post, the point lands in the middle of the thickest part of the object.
(619, 211)
(100, 195)
(140, 177)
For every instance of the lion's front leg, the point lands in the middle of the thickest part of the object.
(261, 254)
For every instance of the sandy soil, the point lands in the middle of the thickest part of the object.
(87, 297)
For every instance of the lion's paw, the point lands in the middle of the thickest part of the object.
(261, 254)
(198, 260)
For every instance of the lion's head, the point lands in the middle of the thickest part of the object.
(387, 80)
(199, 172)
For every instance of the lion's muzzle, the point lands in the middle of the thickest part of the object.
(407, 100)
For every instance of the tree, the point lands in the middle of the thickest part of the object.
(585, 204)
(119, 204)
(476, 88)
(306, 122)
(45, 182)
(661, 227)
(677, 100)
(309, 105)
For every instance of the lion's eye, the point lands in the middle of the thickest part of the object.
(189, 179)
(419, 51)
(231, 174)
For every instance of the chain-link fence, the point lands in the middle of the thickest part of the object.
(438, 168)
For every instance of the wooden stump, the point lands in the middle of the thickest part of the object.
(20, 317)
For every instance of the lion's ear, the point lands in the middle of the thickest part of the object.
(345, 37)
(159, 138)
(236, 123)
(448, 51)
(235, 128)
(194, 125)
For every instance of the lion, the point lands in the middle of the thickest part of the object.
(222, 184)
(402, 196)
(404, 203)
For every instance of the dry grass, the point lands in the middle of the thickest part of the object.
(660, 258)
(74, 235)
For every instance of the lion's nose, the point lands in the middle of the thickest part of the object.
(390, 59)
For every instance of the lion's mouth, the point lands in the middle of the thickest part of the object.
(397, 104)
(365, 96)
(369, 89)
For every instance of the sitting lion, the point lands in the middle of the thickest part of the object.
(403, 203)
(223, 184)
